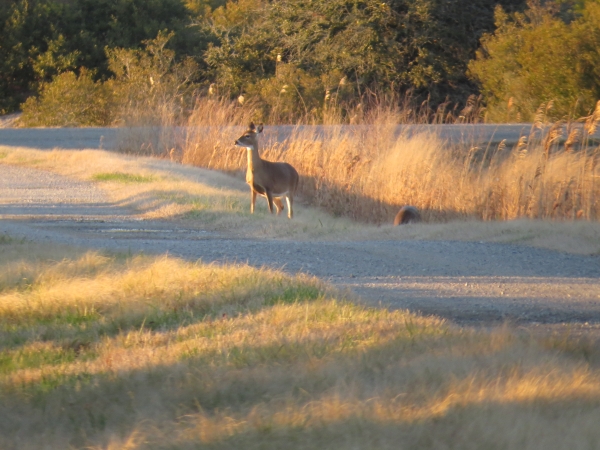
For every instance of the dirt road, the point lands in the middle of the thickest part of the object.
(472, 283)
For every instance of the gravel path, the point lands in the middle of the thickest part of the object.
(32, 194)
(471, 283)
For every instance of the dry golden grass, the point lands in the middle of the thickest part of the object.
(164, 190)
(154, 352)
(368, 172)
(369, 175)
(160, 189)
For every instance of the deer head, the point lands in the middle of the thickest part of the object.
(249, 138)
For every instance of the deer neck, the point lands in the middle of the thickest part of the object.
(254, 160)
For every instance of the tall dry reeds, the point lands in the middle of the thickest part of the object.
(368, 170)
(211, 131)
(368, 173)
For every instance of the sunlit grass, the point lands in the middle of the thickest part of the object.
(211, 199)
(368, 172)
(120, 177)
(214, 201)
(115, 351)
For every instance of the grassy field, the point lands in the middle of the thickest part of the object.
(121, 351)
(108, 351)
(368, 173)
(163, 190)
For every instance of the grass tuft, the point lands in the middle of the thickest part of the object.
(123, 177)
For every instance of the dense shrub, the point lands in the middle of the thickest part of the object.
(312, 54)
(538, 58)
(42, 38)
(70, 101)
(149, 88)
(26, 29)
(148, 79)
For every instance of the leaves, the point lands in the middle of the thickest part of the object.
(421, 46)
(42, 38)
(536, 57)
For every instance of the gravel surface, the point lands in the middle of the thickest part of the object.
(470, 283)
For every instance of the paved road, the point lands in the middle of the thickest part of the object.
(111, 138)
(466, 282)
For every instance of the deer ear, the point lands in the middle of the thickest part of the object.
(260, 128)
(251, 127)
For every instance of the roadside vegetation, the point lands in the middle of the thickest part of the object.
(158, 189)
(123, 351)
(529, 61)
(304, 77)
(81, 62)
(368, 173)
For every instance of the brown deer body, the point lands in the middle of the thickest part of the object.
(273, 180)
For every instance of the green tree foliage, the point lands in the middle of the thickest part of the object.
(537, 58)
(146, 81)
(42, 38)
(70, 100)
(347, 47)
(96, 24)
(26, 29)
(150, 79)
(203, 8)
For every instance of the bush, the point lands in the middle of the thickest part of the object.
(42, 38)
(149, 88)
(538, 58)
(146, 80)
(70, 100)
(349, 49)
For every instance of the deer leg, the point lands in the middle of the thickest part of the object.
(252, 200)
(269, 199)
(278, 204)
(290, 202)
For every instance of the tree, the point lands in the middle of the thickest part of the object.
(536, 58)
(25, 30)
(347, 47)
(70, 100)
(147, 84)
(40, 39)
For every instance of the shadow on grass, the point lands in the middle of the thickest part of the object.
(212, 205)
(343, 202)
(482, 425)
(311, 393)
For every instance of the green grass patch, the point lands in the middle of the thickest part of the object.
(294, 294)
(6, 239)
(119, 177)
(199, 203)
(35, 358)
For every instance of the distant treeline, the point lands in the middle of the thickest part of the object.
(294, 59)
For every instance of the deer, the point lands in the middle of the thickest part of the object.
(272, 180)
